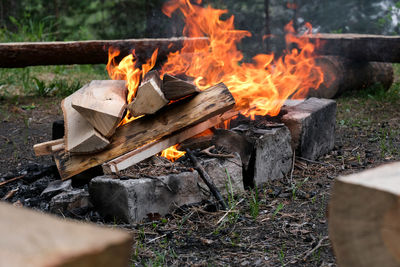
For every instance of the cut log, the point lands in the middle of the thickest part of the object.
(342, 74)
(359, 47)
(17, 55)
(45, 148)
(174, 88)
(102, 104)
(149, 97)
(80, 135)
(148, 150)
(30, 238)
(364, 218)
(213, 101)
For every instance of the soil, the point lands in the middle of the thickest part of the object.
(283, 224)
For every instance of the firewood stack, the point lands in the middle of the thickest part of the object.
(171, 111)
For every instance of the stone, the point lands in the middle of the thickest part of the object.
(218, 168)
(70, 201)
(312, 126)
(132, 200)
(273, 155)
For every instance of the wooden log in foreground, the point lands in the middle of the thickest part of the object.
(364, 218)
(342, 74)
(215, 100)
(360, 47)
(17, 55)
(30, 238)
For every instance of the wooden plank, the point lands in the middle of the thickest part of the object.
(364, 218)
(102, 104)
(215, 100)
(174, 88)
(360, 47)
(148, 150)
(43, 149)
(31, 238)
(149, 97)
(17, 55)
(80, 136)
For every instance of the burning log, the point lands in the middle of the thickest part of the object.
(149, 97)
(215, 100)
(174, 88)
(342, 74)
(102, 103)
(148, 150)
(17, 55)
(364, 217)
(359, 47)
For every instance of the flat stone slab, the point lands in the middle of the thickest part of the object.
(312, 126)
(219, 168)
(132, 200)
(273, 155)
(31, 238)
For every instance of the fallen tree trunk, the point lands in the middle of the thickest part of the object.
(360, 47)
(342, 74)
(364, 216)
(215, 100)
(17, 55)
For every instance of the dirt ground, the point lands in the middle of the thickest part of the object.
(283, 224)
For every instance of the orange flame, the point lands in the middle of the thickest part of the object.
(172, 153)
(260, 87)
(128, 71)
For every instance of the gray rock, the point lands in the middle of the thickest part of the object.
(217, 168)
(70, 200)
(58, 186)
(133, 199)
(312, 126)
(274, 155)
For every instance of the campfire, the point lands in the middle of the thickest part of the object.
(143, 111)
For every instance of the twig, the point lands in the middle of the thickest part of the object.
(311, 251)
(229, 211)
(12, 180)
(207, 179)
(154, 239)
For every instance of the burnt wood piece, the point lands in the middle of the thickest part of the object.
(149, 97)
(342, 74)
(18, 55)
(102, 104)
(210, 102)
(207, 179)
(175, 88)
(31, 238)
(360, 47)
(364, 215)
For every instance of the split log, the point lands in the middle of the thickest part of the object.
(80, 135)
(359, 47)
(31, 238)
(102, 104)
(45, 148)
(149, 97)
(215, 100)
(148, 150)
(175, 88)
(342, 74)
(364, 216)
(17, 55)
